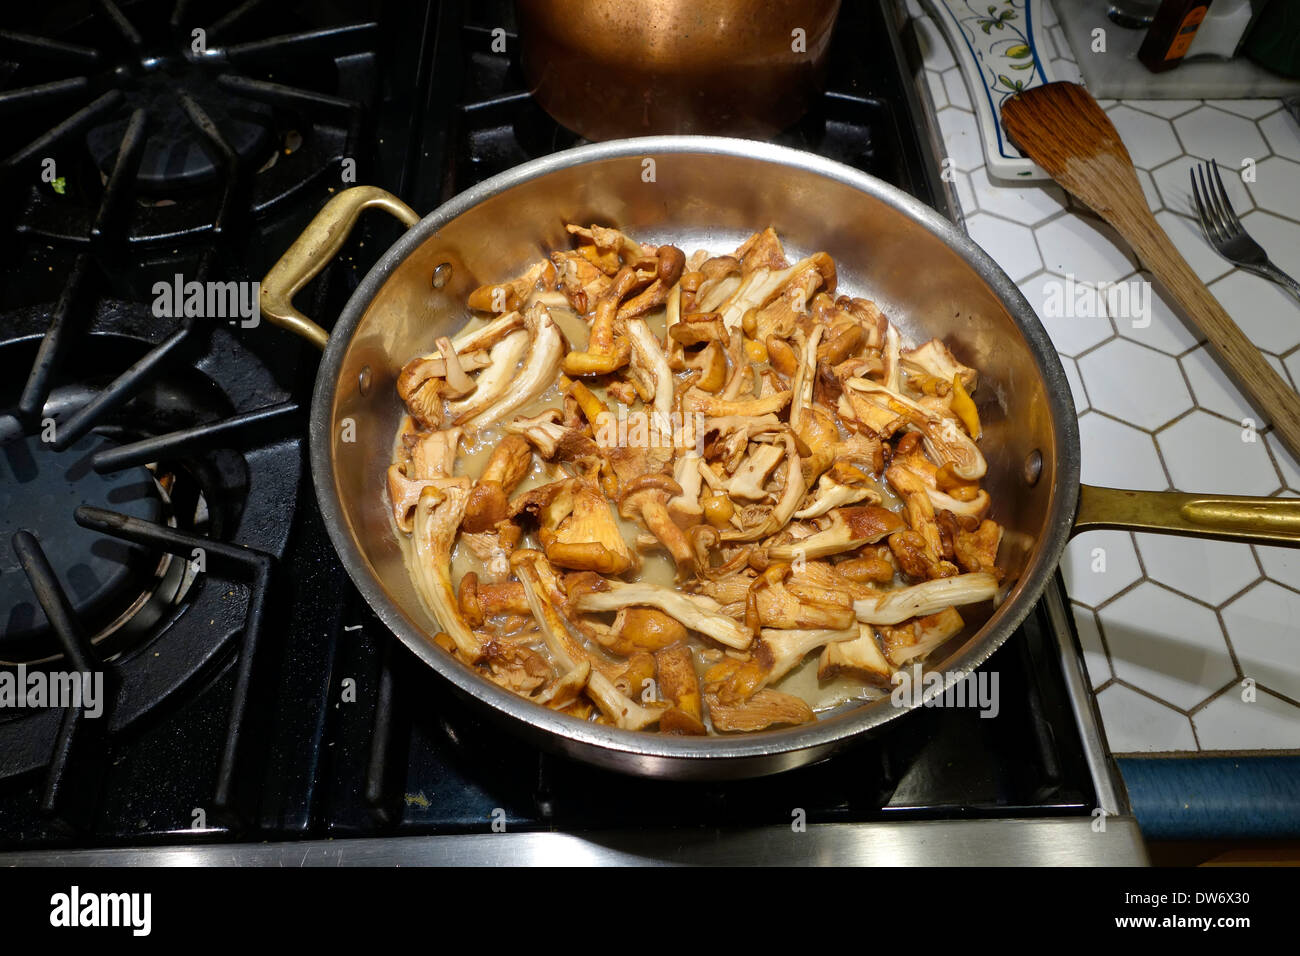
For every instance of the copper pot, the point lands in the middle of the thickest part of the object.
(613, 68)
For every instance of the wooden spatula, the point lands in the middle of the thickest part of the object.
(1063, 129)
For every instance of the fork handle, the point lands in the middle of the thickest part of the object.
(1274, 274)
(1243, 360)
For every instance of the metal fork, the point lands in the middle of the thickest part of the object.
(1224, 231)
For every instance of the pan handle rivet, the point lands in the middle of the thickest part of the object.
(363, 381)
(1033, 467)
(441, 274)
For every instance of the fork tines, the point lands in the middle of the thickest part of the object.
(1219, 221)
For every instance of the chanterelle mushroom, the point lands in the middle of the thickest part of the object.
(774, 655)
(668, 269)
(680, 685)
(546, 349)
(506, 468)
(943, 436)
(620, 709)
(928, 597)
(797, 415)
(917, 638)
(432, 455)
(794, 605)
(646, 498)
(511, 296)
(437, 519)
(606, 351)
(842, 485)
(492, 382)
(767, 708)
(578, 530)
(845, 529)
(785, 506)
(935, 360)
(752, 474)
(697, 613)
(649, 369)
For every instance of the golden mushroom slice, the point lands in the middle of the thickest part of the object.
(860, 658)
(680, 685)
(578, 531)
(437, 520)
(697, 613)
(843, 529)
(646, 499)
(492, 382)
(928, 597)
(767, 708)
(546, 350)
(618, 708)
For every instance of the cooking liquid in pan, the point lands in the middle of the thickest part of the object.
(656, 566)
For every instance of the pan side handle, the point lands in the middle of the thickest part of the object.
(1226, 517)
(320, 242)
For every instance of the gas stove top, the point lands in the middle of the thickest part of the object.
(158, 525)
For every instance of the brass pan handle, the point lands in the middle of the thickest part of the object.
(318, 244)
(1226, 517)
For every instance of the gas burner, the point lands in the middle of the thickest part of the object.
(39, 489)
(175, 157)
(171, 128)
(177, 456)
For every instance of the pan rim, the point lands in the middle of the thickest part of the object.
(656, 754)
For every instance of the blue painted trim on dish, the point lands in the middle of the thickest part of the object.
(1214, 798)
(1038, 71)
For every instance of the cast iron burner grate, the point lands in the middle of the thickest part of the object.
(39, 489)
(176, 119)
(195, 407)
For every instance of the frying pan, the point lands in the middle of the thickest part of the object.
(707, 192)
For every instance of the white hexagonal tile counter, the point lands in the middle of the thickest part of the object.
(1136, 723)
(1275, 187)
(1282, 565)
(1097, 565)
(1085, 248)
(1212, 389)
(1205, 453)
(1286, 464)
(1150, 141)
(1279, 130)
(1265, 641)
(1135, 383)
(1012, 245)
(1237, 720)
(1265, 313)
(1210, 133)
(1117, 455)
(1213, 571)
(1161, 327)
(1169, 627)
(1072, 331)
(1167, 645)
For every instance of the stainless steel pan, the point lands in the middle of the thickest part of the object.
(694, 192)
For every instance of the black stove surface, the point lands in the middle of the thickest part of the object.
(258, 697)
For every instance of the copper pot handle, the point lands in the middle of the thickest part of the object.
(1226, 517)
(320, 242)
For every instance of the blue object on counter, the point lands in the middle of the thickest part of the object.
(1214, 798)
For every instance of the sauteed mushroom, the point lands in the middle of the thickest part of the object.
(813, 478)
